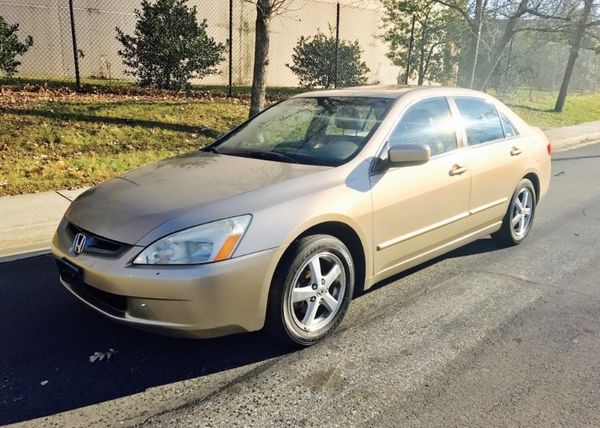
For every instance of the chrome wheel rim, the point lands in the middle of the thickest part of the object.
(318, 292)
(522, 210)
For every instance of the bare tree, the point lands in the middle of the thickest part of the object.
(512, 12)
(579, 30)
(578, 19)
(557, 13)
(474, 13)
(265, 11)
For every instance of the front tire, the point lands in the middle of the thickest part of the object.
(519, 217)
(311, 290)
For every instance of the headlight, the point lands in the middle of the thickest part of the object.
(208, 242)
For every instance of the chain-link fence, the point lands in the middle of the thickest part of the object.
(52, 56)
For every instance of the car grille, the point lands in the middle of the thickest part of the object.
(98, 245)
(112, 304)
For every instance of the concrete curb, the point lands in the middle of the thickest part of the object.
(27, 222)
(572, 137)
(565, 144)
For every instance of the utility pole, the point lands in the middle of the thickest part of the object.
(337, 43)
(410, 48)
(229, 90)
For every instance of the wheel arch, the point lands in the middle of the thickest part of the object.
(535, 180)
(345, 233)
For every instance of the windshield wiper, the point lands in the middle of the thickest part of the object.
(274, 156)
(210, 149)
(259, 154)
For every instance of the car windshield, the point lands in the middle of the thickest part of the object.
(315, 130)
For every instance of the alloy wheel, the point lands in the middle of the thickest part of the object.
(318, 292)
(521, 212)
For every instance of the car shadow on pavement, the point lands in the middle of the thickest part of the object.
(47, 337)
(574, 158)
(484, 245)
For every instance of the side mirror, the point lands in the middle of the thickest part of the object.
(406, 154)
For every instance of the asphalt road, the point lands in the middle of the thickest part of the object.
(485, 336)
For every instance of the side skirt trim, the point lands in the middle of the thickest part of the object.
(454, 243)
(435, 226)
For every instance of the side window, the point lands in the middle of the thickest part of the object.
(509, 129)
(428, 122)
(481, 120)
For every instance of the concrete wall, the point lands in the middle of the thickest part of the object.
(47, 21)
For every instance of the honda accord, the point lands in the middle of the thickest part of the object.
(279, 222)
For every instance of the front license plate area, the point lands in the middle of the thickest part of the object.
(70, 273)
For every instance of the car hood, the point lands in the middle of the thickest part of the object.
(128, 207)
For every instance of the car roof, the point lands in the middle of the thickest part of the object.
(392, 91)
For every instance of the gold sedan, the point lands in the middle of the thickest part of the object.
(280, 221)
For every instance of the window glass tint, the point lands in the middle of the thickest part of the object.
(509, 129)
(481, 120)
(428, 122)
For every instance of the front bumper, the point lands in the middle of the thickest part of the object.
(204, 301)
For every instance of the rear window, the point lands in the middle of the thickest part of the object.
(481, 120)
(509, 129)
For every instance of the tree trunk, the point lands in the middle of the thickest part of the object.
(261, 57)
(426, 67)
(498, 52)
(573, 54)
(507, 35)
(474, 54)
(421, 70)
(475, 40)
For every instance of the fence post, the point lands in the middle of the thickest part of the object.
(410, 47)
(337, 43)
(229, 89)
(74, 38)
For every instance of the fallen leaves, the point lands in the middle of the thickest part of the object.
(30, 95)
(100, 356)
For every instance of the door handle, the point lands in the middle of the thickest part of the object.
(515, 151)
(458, 169)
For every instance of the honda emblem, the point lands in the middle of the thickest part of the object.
(79, 243)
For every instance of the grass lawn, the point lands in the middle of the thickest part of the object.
(536, 108)
(53, 139)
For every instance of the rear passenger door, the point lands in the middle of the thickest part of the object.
(496, 158)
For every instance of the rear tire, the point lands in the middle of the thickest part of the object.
(311, 290)
(519, 216)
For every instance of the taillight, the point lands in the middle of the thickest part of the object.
(549, 148)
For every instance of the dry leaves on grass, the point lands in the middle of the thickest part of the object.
(31, 95)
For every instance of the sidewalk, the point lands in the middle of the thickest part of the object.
(27, 222)
(571, 137)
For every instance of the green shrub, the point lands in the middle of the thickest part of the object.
(169, 46)
(314, 62)
(11, 47)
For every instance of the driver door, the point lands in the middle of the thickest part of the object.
(417, 208)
